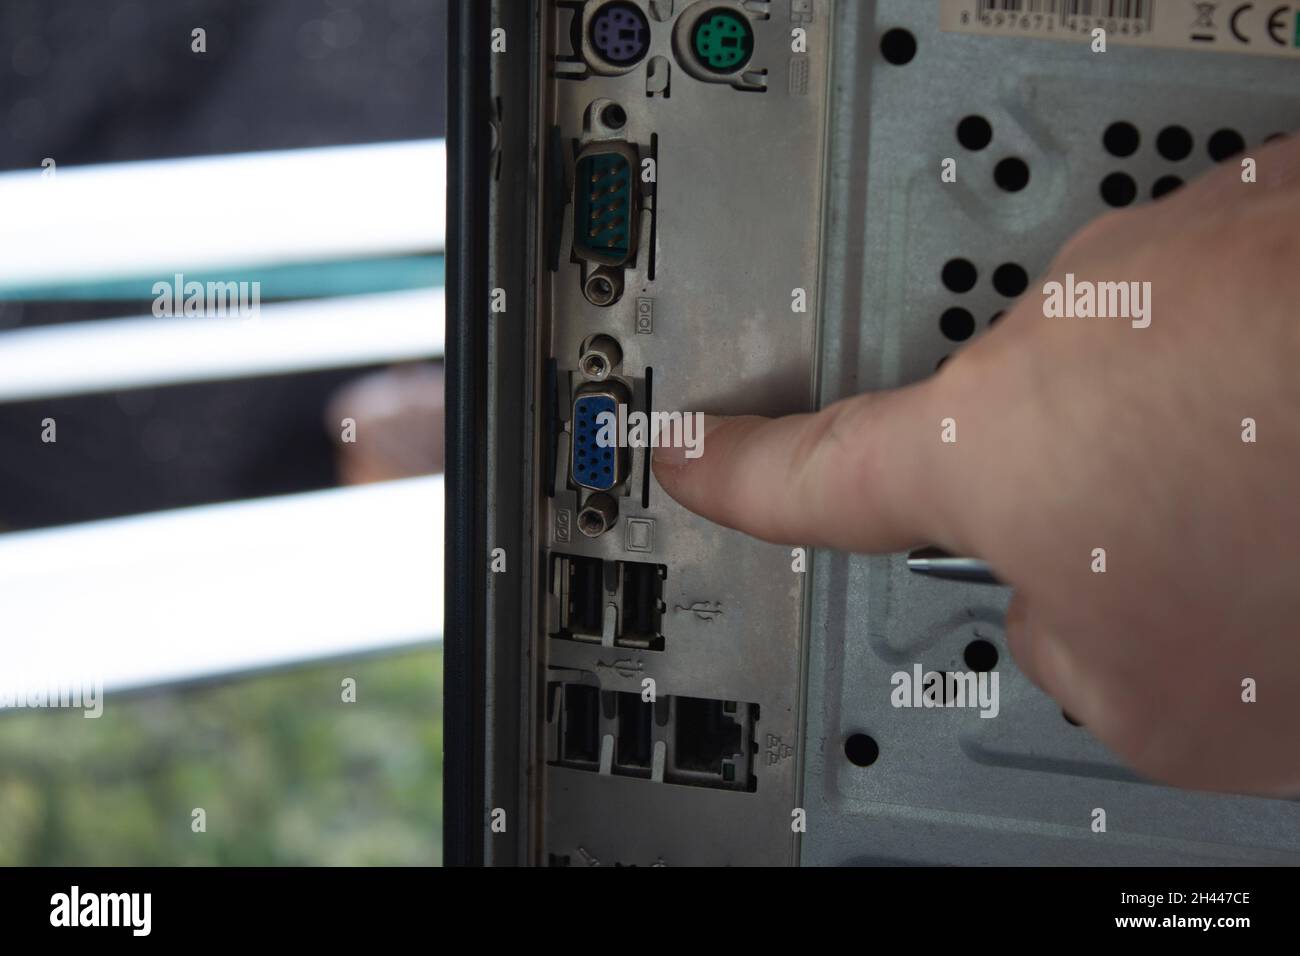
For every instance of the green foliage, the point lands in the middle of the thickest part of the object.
(286, 771)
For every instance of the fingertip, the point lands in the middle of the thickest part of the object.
(850, 476)
(1017, 631)
(673, 455)
(1026, 647)
(710, 478)
(1044, 658)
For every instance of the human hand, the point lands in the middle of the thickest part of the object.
(1077, 434)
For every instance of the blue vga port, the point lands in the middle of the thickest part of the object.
(597, 461)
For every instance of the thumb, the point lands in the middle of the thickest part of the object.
(864, 474)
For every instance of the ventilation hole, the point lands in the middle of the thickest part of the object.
(1118, 189)
(898, 46)
(1011, 174)
(974, 132)
(1070, 720)
(861, 750)
(1225, 143)
(1165, 185)
(959, 275)
(981, 656)
(1010, 280)
(996, 316)
(1120, 139)
(1174, 143)
(957, 325)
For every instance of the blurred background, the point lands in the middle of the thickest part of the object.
(231, 518)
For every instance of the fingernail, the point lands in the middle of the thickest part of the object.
(669, 457)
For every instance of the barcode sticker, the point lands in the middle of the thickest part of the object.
(1138, 10)
(1268, 29)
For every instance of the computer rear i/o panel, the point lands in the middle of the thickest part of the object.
(681, 197)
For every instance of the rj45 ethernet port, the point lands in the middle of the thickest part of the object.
(713, 743)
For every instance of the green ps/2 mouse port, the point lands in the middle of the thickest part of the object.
(722, 40)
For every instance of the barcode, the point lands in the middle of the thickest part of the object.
(1110, 9)
(1018, 6)
(1139, 10)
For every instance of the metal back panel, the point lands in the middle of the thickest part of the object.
(949, 786)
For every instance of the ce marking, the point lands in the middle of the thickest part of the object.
(1276, 23)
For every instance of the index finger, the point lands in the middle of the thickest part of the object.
(863, 474)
